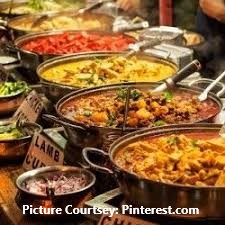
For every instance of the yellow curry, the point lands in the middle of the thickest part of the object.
(89, 73)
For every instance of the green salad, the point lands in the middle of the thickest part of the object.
(9, 132)
(12, 88)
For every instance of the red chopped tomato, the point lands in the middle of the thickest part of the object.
(68, 43)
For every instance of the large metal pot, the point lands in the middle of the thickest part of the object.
(31, 60)
(15, 25)
(55, 91)
(147, 193)
(82, 136)
(10, 104)
(50, 200)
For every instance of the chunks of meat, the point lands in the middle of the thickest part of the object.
(175, 159)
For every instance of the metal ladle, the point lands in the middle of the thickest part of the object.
(204, 95)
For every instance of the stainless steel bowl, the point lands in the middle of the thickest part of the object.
(76, 199)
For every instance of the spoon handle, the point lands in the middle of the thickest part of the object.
(203, 96)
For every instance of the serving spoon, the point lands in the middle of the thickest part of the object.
(218, 143)
(204, 95)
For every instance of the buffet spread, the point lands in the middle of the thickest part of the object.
(85, 109)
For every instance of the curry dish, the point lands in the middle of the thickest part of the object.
(95, 72)
(107, 108)
(60, 22)
(180, 159)
(10, 132)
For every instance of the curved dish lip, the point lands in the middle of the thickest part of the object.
(160, 131)
(32, 173)
(92, 55)
(32, 36)
(83, 92)
(6, 122)
(5, 97)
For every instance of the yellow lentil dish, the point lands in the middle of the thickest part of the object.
(187, 159)
(96, 72)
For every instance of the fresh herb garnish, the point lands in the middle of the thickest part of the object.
(135, 95)
(122, 93)
(87, 113)
(159, 123)
(168, 95)
(173, 141)
(111, 119)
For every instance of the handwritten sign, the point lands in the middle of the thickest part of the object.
(43, 152)
(30, 109)
(119, 219)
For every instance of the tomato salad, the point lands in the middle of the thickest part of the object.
(68, 43)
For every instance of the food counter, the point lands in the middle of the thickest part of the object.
(97, 119)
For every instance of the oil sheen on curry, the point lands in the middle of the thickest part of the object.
(96, 72)
(185, 159)
(106, 108)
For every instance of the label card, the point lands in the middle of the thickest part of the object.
(122, 219)
(30, 109)
(43, 152)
